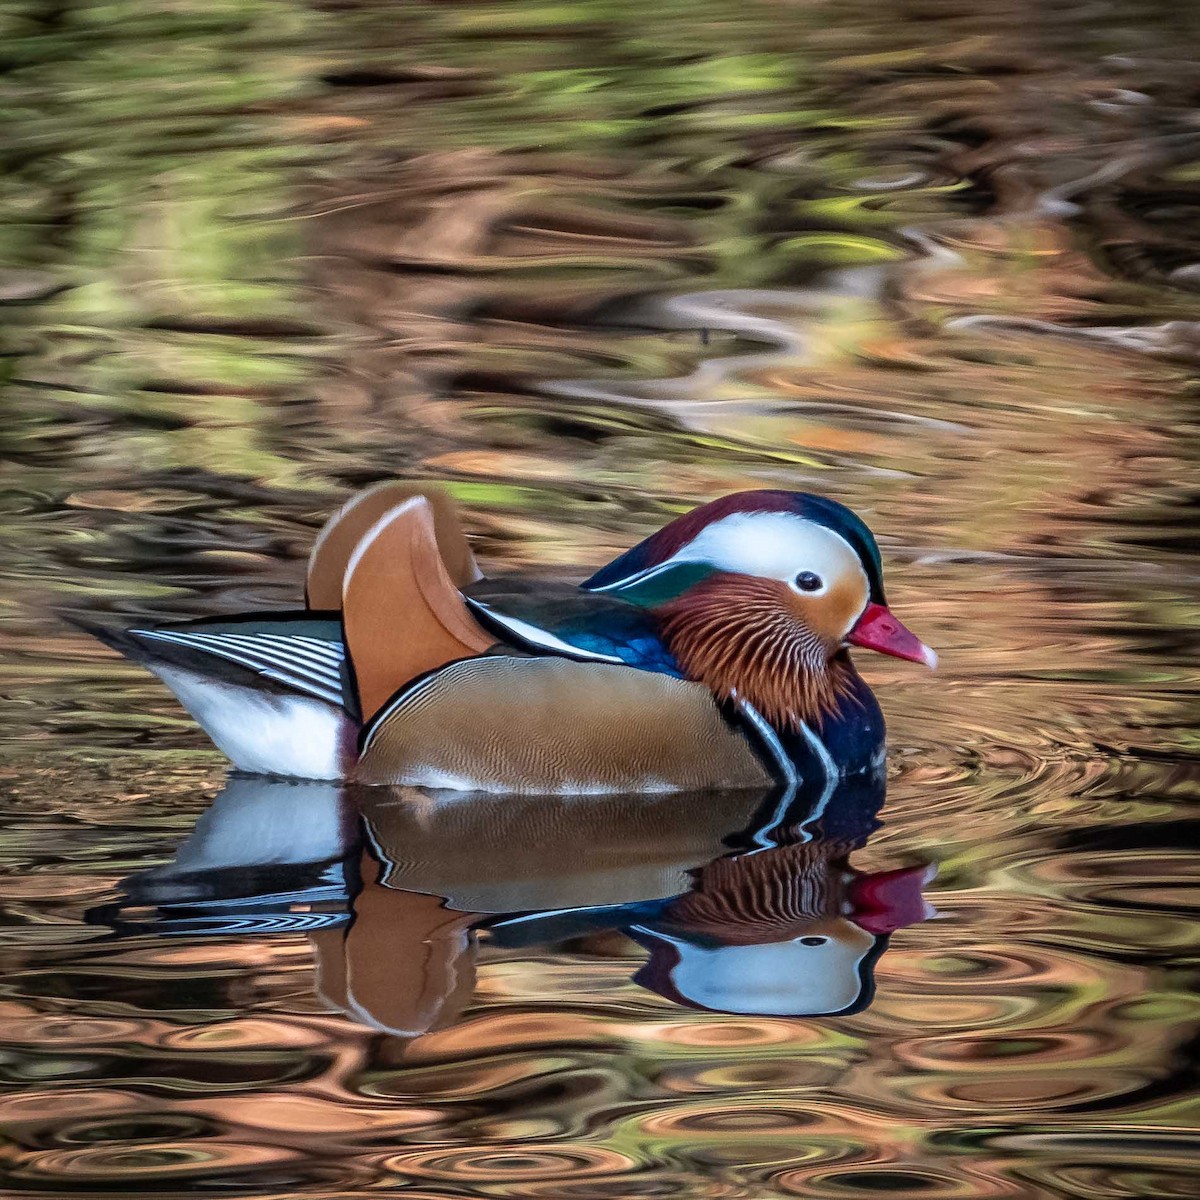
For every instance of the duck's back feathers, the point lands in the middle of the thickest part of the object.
(552, 725)
(561, 618)
(402, 614)
(344, 531)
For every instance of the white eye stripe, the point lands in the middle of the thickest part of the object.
(773, 545)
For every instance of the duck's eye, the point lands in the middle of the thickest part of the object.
(807, 581)
(813, 941)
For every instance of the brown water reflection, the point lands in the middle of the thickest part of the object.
(592, 265)
(743, 903)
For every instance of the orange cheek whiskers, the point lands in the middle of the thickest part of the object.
(740, 635)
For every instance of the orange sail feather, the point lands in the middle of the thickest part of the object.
(403, 615)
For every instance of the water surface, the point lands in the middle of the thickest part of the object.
(592, 264)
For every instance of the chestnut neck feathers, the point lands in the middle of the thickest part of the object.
(735, 634)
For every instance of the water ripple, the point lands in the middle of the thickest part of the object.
(939, 261)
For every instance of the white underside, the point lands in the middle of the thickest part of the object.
(265, 733)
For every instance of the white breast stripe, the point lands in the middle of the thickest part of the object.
(832, 774)
(791, 781)
(787, 768)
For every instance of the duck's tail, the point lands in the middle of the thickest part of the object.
(283, 694)
(269, 693)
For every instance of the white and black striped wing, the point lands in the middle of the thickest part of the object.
(310, 665)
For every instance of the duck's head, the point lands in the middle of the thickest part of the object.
(760, 594)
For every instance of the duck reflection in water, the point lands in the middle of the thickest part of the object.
(741, 903)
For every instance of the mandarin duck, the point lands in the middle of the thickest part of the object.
(713, 655)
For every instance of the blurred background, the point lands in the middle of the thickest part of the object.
(592, 263)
